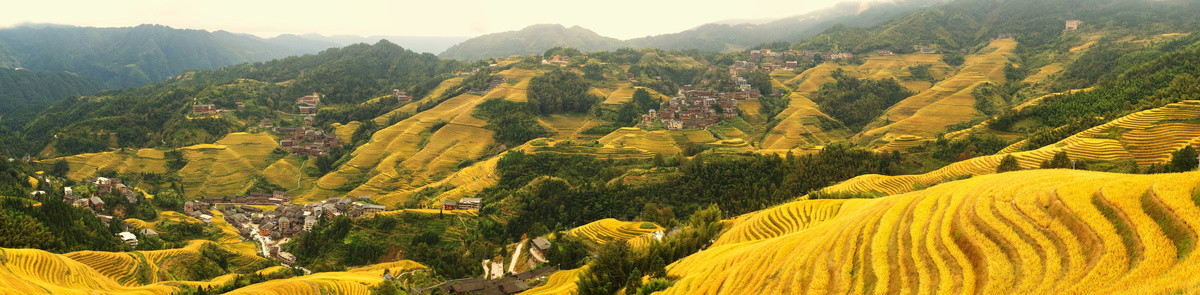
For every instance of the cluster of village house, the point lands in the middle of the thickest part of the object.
(272, 228)
(92, 203)
(306, 141)
(693, 109)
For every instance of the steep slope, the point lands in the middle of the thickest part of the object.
(948, 102)
(1145, 137)
(406, 155)
(354, 281)
(534, 39)
(30, 271)
(803, 125)
(24, 91)
(738, 36)
(1044, 231)
(224, 167)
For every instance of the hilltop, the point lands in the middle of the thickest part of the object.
(533, 39)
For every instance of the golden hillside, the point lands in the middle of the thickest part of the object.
(1026, 232)
(221, 168)
(31, 271)
(946, 103)
(1144, 137)
(354, 281)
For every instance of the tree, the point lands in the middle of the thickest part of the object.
(21, 231)
(954, 59)
(1184, 160)
(1009, 163)
(560, 92)
(1060, 161)
(567, 251)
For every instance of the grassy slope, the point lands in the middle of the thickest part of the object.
(946, 103)
(1034, 232)
(30, 271)
(221, 168)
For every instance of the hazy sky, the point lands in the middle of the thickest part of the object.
(621, 19)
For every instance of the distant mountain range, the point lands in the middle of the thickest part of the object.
(421, 44)
(132, 56)
(718, 36)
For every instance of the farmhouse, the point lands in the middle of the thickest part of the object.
(307, 110)
(401, 96)
(204, 109)
(449, 205)
(1073, 25)
(541, 244)
(469, 203)
(128, 238)
(311, 100)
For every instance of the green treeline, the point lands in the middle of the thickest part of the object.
(856, 102)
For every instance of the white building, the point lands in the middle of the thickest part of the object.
(128, 238)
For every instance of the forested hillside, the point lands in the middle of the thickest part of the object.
(159, 113)
(970, 24)
(724, 37)
(22, 92)
(132, 56)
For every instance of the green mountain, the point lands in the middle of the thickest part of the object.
(534, 39)
(708, 37)
(723, 37)
(970, 24)
(24, 90)
(157, 114)
(132, 56)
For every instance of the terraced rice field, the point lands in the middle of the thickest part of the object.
(798, 124)
(405, 155)
(946, 103)
(1026, 232)
(411, 107)
(902, 143)
(517, 91)
(624, 93)
(568, 126)
(561, 282)
(32, 271)
(220, 168)
(785, 219)
(226, 166)
(610, 230)
(288, 174)
(87, 165)
(659, 142)
(466, 183)
(1148, 137)
(345, 132)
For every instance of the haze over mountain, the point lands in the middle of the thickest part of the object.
(131, 56)
(718, 36)
(534, 39)
(423, 44)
